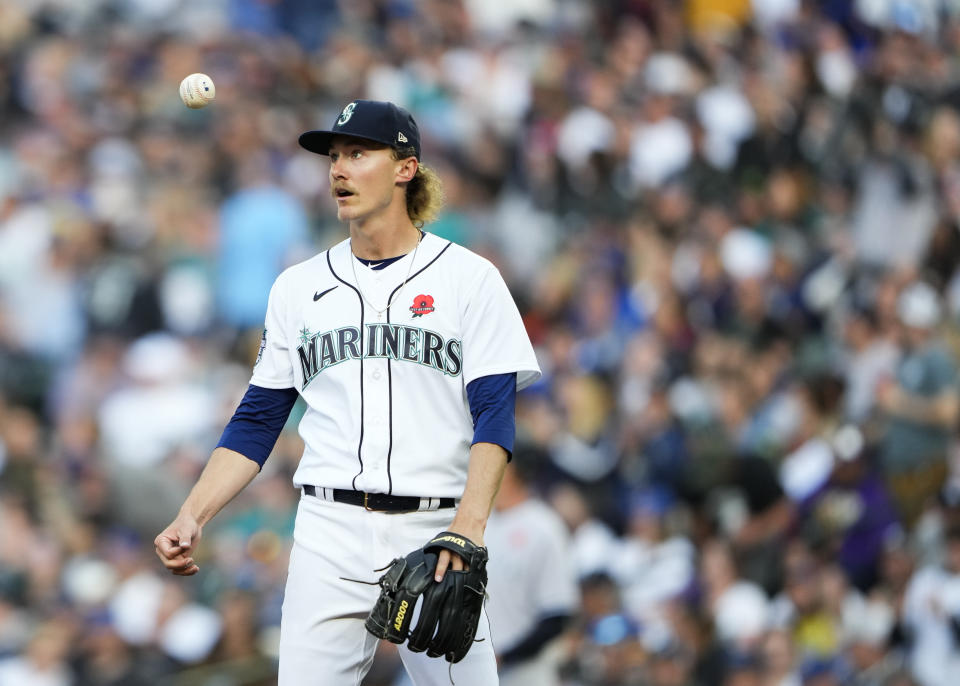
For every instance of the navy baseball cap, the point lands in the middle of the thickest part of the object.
(372, 120)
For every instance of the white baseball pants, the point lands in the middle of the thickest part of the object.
(322, 638)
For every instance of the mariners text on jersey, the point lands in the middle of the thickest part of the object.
(317, 351)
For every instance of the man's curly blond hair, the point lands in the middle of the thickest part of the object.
(424, 191)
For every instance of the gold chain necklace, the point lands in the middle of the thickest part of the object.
(353, 265)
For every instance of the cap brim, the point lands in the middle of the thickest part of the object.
(319, 141)
(316, 141)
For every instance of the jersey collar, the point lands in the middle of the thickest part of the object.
(340, 257)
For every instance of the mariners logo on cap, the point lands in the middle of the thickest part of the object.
(346, 114)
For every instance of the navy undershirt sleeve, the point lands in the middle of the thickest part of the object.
(255, 426)
(493, 402)
(547, 629)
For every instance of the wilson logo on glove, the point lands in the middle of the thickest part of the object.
(449, 609)
(452, 539)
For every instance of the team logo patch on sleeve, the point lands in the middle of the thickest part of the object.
(422, 304)
(263, 346)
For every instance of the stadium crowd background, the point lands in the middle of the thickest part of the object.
(731, 227)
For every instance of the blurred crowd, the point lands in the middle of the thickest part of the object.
(731, 227)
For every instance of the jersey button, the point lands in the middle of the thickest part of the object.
(377, 374)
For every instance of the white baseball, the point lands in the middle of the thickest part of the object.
(197, 90)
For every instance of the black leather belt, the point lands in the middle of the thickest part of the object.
(381, 502)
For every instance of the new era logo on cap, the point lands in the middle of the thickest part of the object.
(372, 120)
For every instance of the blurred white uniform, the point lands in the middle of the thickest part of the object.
(932, 597)
(532, 576)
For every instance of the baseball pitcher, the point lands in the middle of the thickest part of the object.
(408, 351)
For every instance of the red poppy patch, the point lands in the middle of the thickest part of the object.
(422, 304)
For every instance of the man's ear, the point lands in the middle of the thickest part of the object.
(407, 169)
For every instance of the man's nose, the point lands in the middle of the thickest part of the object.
(337, 169)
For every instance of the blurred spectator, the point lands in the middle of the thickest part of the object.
(871, 360)
(931, 613)
(594, 544)
(780, 660)
(922, 405)
(851, 515)
(754, 515)
(671, 665)
(105, 658)
(44, 662)
(867, 632)
(612, 654)
(249, 258)
(738, 608)
(652, 565)
(142, 423)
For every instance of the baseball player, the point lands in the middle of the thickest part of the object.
(533, 583)
(408, 350)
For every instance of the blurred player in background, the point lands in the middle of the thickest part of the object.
(533, 585)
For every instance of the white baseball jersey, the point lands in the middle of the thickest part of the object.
(531, 571)
(387, 408)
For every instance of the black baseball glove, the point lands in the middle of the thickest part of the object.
(449, 609)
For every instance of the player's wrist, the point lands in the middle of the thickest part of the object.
(188, 515)
(470, 528)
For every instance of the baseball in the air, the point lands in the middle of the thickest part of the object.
(197, 90)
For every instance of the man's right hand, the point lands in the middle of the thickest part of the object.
(175, 544)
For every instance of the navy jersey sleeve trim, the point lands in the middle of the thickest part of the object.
(257, 422)
(493, 402)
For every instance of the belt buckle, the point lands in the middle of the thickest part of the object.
(366, 507)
